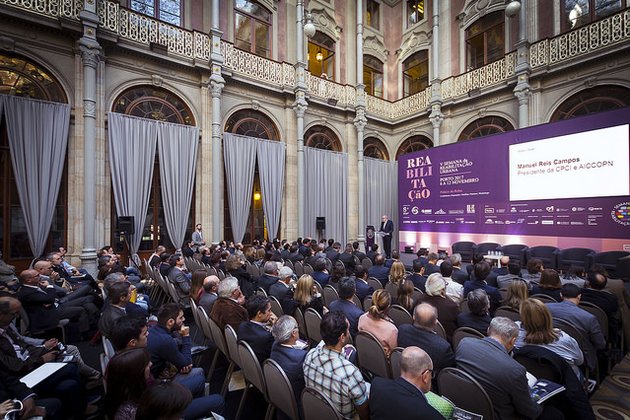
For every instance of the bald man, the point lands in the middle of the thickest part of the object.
(403, 398)
(210, 289)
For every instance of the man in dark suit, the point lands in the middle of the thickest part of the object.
(304, 246)
(347, 259)
(481, 271)
(421, 334)
(459, 275)
(595, 294)
(282, 291)
(363, 288)
(379, 271)
(417, 278)
(177, 276)
(210, 293)
(294, 253)
(431, 266)
(395, 257)
(115, 308)
(257, 331)
(372, 252)
(320, 273)
(286, 352)
(403, 398)
(503, 378)
(387, 229)
(501, 270)
(436, 296)
(228, 308)
(269, 277)
(360, 255)
(347, 288)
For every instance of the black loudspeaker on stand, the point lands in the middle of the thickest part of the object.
(126, 226)
(320, 225)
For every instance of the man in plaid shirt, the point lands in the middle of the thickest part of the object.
(327, 369)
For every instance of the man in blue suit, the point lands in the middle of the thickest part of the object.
(378, 270)
(403, 398)
(257, 331)
(363, 288)
(347, 289)
(320, 273)
(387, 229)
(283, 290)
(288, 353)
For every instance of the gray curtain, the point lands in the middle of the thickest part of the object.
(271, 155)
(38, 138)
(132, 143)
(239, 154)
(177, 145)
(326, 192)
(381, 194)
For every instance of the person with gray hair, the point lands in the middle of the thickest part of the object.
(421, 334)
(286, 351)
(269, 277)
(228, 308)
(459, 274)
(210, 292)
(436, 296)
(479, 316)
(503, 378)
(403, 398)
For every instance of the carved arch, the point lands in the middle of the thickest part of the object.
(476, 9)
(372, 45)
(592, 100)
(326, 23)
(415, 40)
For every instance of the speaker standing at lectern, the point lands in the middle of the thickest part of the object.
(386, 230)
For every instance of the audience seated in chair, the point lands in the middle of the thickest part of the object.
(363, 288)
(549, 285)
(516, 293)
(307, 296)
(257, 331)
(513, 273)
(283, 291)
(534, 271)
(289, 356)
(347, 289)
(228, 308)
(128, 333)
(377, 322)
(436, 296)
(595, 292)
(117, 298)
(378, 270)
(481, 271)
(478, 316)
(454, 290)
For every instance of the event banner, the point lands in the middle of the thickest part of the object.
(569, 178)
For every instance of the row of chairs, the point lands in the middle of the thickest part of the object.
(617, 263)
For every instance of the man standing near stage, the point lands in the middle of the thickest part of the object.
(387, 228)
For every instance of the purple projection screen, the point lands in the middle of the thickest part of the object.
(564, 179)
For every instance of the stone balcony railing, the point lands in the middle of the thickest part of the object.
(196, 47)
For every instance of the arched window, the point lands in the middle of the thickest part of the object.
(153, 103)
(373, 76)
(251, 123)
(593, 100)
(485, 40)
(413, 144)
(485, 127)
(22, 77)
(252, 27)
(321, 55)
(576, 13)
(416, 73)
(169, 11)
(374, 148)
(322, 137)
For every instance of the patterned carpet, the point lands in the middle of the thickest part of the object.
(612, 400)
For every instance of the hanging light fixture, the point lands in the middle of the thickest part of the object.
(319, 56)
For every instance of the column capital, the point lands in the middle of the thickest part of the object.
(436, 117)
(301, 104)
(90, 52)
(217, 83)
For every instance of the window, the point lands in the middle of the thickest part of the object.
(413, 144)
(576, 13)
(373, 76)
(21, 77)
(593, 100)
(322, 137)
(485, 41)
(372, 17)
(374, 148)
(485, 127)
(252, 28)
(321, 56)
(156, 104)
(415, 12)
(169, 11)
(416, 73)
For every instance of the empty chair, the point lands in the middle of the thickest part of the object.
(253, 377)
(485, 247)
(395, 358)
(399, 315)
(465, 249)
(465, 392)
(610, 260)
(580, 257)
(516, 252)
(317, 406)
(312, 319)
(463, 332)
(279, 389)
(547, 254)
(298, 268)
(371, 354)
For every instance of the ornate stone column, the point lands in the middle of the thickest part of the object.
(360, 122)
(436, 117)
(522, 91)
(299, 106)
(90, 57)
(217, 83)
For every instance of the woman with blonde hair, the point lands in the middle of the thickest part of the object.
(397, 272)
(517, 293)
(307, 295)
(405, 295)
(376, 321)
(536, 328)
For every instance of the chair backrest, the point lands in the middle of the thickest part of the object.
(395, 359)
(298, 268)
(485, 247)
(330, 295)
(465, 392)
(599, 313)
(279, 389)
(417, 293)
(251, 367)
(392, 289)
(231, 340)
(299, 317)
(357, 301)
(371, 354)
(568, 328)
(218, 337)
(463, 248)
(108, 347)
(204, 321)
(539, 368)
(508, 312)
(312, 319)
(367, 302)
(439, 330)
(276, 308)
(317, 406)
(399, 315)
(375, 283)
(366, 263)
(261, 292)
(220, 274)
(289, 264)
(308, 269)
(463, 306)
(543, 298)
(462, 332)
